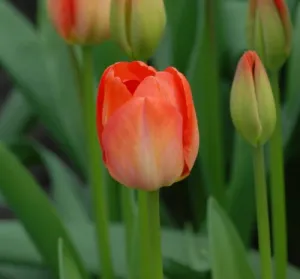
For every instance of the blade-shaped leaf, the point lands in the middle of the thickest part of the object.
(17, 247)
(34, 210)
(14, 116)
(23, 55)
(227, 253)
(67, 265)
(20, 272)
(65, 188)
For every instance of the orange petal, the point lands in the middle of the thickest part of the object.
(163, 86)
(190, 123)
(142, 142)
(112, 95)
(115, 95)
(135, 70)
(63, 13)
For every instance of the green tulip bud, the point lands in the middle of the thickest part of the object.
(252, 104)
(138, 25)
(270, 31)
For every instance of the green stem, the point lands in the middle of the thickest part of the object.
(95, 166)
(262, 213)
(128, 217)
(150, 236)
(76, 68)
(278, 188)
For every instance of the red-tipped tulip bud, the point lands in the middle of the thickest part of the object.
(251, 103)
(269, 31)
(147, 125)
(138, 25)
(81, 21)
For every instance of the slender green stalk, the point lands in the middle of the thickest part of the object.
(262, 213)
(76, 67)
(128, 218)
(150, 236)
(95, 167)
(278, 189)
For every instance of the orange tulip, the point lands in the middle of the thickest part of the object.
(81, 21)
(147, 125)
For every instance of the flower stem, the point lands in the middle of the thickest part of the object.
(262, 213)
(150, 236)
(95, 166)
(128, 218)
(278, 188)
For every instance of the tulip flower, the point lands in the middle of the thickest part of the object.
(138, 25)
(269, 31)
(147, 125)
(81, 21)
(252, 104)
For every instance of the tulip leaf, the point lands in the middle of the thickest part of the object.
(12, 124)
(16, 247)
(31, 206)
(67, 266)
(105, 55)
(204, 76)
(66, 189)
(227, 253)
(292, 105)
(10, 271)
(25, 57)
(67, 192)
(184, 34)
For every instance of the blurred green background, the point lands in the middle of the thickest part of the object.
(52, 150)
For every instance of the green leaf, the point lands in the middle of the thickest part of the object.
(15, 116)
(240, 194)
(184, 33)
(227, 254)
(105, 55)
(21, 272)
(235, 14)
(24, 56)
(292, 104)
(65, 77)
(204, 76)
(32, 207)
(67, 266)
(66, 189)
(16, 247)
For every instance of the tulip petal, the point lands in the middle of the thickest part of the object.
(135, 70)
(190, 131)
(111, 96)
(163, 86)
(63, 15)
(142, 142)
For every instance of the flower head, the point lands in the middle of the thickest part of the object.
(138, 25)
(269, 31)
(80, 21)
(252, 104)
(147, 125)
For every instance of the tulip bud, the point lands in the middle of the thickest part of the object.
(252, 104)
(269, 31)
(138, 25)
(147, 125)
(81, 21)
